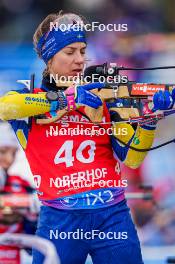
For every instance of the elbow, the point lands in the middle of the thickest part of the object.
(8, 110)
(3, 117)
(5, 113)
(4, 110)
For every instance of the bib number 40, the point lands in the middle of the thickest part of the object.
(68, 158)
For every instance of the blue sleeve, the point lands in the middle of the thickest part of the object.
(120, 151)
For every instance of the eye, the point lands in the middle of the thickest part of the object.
(69, 53)
(83, 51)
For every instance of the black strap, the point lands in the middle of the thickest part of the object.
(145, 149)
(32, 83)
(128, 145)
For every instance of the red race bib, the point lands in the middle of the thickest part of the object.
(72, 156)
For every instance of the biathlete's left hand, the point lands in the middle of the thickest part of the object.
(163, 100)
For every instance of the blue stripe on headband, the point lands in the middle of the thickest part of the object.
(53, 41)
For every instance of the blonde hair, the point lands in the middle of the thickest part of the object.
(44, 27)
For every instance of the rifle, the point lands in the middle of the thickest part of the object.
(131, 95)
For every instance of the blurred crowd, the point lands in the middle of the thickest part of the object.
(15, 214)
(149, 41)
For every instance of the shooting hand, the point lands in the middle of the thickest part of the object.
(163, 100)
(80, 96)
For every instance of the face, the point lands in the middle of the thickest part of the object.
(69, 61)
(7, 156)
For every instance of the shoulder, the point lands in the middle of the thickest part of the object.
(21, 91)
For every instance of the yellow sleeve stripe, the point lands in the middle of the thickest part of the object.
(21, 137)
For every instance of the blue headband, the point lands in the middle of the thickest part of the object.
(53, 41)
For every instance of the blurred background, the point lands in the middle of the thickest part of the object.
(149, 41)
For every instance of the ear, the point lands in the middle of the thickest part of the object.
(49, 66)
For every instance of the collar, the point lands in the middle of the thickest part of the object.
(47, 86)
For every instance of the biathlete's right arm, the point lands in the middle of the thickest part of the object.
(16, 105)
(20, 104)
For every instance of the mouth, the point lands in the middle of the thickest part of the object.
(77, 72)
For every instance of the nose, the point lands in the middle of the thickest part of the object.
(79, 58)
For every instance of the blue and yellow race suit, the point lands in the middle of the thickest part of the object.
(14, 106)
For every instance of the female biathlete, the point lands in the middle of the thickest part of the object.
(89, 219)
